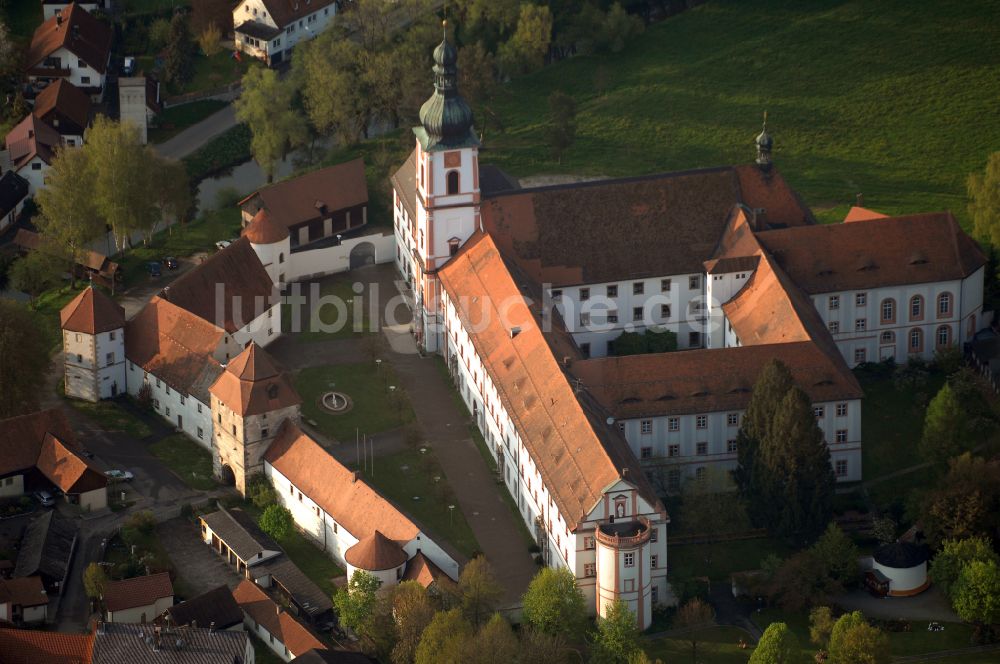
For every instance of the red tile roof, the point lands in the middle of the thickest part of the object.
(25, 591)
(577, 460)
(316, 194)
(67, 468)
(375, 552)
(65, 98)
(31, 137)
(24, 646)
(912, 249)
(44, 440)
(422, 569)
(78, 32)
(264, 229)
(262, 609)
(862, 214)
(92, 312)
(708, 380)
(138, 591)
(176, 346)
(230, 289)
(253, 384)
(354, 504)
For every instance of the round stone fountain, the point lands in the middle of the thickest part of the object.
(335, 402)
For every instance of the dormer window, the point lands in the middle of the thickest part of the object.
(453, 245)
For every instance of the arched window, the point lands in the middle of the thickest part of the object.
(916, 308)
(453, 182)
(888, 338)
(916, 340)
(944, 305)
(943, 336)
(888, 310)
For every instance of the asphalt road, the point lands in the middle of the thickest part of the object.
(197, 135)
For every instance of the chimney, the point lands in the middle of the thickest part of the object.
(59, 19)
(277, 609)
(211, 627)
(859, 200)
(354, 477)
(624, 473)
(514, 331)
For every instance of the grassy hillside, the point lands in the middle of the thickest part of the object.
(896, 99)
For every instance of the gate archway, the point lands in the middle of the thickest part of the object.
(362, 254)
(227, 476)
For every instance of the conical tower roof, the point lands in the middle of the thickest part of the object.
(265, 229)
(92, 312)
(253, 384)
(375, 553)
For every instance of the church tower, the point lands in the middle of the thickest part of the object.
(446, 164)
(250, 400)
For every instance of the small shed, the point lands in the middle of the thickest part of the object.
(904, 564)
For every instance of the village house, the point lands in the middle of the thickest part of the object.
(31, 146)
(46, 550)
(40, 451)
(52, 8)
(72, 46)
(278, 629)
(214, 609)
(23, 601)
(139, 599)
(93, 327)
(13, 193)
(65, 108)
(268, 29)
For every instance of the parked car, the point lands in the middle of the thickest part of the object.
(45, 498)
(222, 244)
(128, 68)
(154, 269)
(170, 262)
(121, 475)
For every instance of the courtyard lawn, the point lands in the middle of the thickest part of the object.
(882, 98)
(46, 309)
(374, 410)
(313, 562)
(189, 460)
(408, 479)
(173, 121)
(719, 560)
(716, 645)
(346, 314)
(213, 72)
(181, 240)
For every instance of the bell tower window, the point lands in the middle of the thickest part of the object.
(453, 182)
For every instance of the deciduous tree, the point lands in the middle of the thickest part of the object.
(945, 432)
(954, 556)
(179, 64)
(984, 201)
(276, 521)
(617, 638)
(265, 106)
(209, 39)
(412, 611)
(496, 642)
(448, 639)
(965, 502)
(526, 49)
(820, 625)
(95, 580)
(328, 69)
(24, 359)
(554, 604)
(838, 555)
(562, 118)
(692, 616)
(538, 647)
(37, 272)
(976, 594)
(778, 645)
(356, 602)
(479, 592)
(854, 641)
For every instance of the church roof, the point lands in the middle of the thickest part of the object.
(880, 252)
(92, 312)
(253, 384)
(576, 459)
(265, 229)
(664, 224)
(375, 552)
(445, 118)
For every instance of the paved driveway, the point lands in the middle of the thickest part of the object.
(199, 568)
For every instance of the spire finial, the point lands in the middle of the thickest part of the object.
(765, 119)
(764, 143)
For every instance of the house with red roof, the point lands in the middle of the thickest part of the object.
(139, 599)
(23, 601)
(268, 29)
(279, 630)
(32, 145)
(73, 46)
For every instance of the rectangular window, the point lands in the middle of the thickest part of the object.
(819, 411)
(629, 559)
(701, 448)
(664, 311)
(860, 299)
(638, 288)
(841, 436)
(612, 318)
(841, 467)
(673, 424)
(36, 166)
(588, 542)
(694, 339)
(110, 359)
(157, 382)
(860, 355)
(637, 313)
(835, 302)
(199, 407)
(646, 426)
(653, 535)
(556, 293)
(694, 283)
(85, 80)
(584, 320)
(701, 421)
(731, 446)
(664, 285)
(860, 324)
(733, 419)
(590, 569)
(673, 450)
(841, 410)
(584, 294)
(200, 433)
(834, 326)
(111, 335)
(585, 350)
(613, 290)
(646, 452)
(168, 411)
(653, 560)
